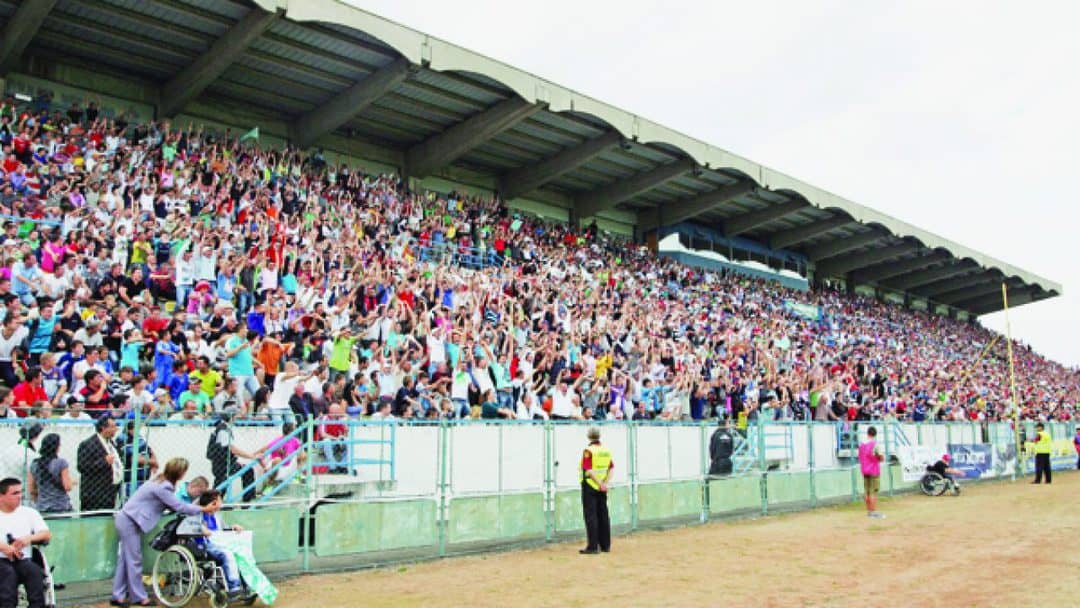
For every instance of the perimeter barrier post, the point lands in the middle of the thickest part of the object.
(703, 447)
(441, 508)
(763, 474)
(309, 445)
(810, 462)
(888, 454)
(633, 476)
(853, 441)
(134, 450)
(549, 484)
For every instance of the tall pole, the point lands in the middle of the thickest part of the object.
(1012, 373)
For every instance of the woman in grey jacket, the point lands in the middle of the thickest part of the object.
(138, 516)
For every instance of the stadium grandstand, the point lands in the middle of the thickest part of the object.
(324, 73)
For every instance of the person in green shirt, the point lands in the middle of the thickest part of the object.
(341, 353)
(194, 394)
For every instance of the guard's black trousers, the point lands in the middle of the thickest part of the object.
(1042, 465)
(597, 525)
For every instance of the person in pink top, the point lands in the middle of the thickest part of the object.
(870, 458)
(286, 450)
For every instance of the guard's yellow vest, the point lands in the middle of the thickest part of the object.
(601, 461)
(1044, 444)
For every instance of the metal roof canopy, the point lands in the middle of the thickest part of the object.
(324, 66)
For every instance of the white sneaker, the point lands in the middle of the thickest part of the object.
(877, 515)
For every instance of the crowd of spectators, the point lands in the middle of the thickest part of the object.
(167, 270)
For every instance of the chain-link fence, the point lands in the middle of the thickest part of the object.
(334, 492)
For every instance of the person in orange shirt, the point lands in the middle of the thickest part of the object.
(269, 356)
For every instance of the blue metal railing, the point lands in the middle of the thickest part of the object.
(317, 456)
(457, 255)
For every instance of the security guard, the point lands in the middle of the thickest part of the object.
(721, 447)
(1043, 447)
(596, 466)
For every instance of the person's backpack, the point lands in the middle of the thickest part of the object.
(167, 537)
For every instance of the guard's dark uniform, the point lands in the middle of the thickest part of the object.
(721, 447)
(597, 459)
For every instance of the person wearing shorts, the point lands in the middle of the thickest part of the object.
(870, 458)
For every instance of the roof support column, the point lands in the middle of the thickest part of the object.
(440, 150)
(526, 179)
(307, 129)
(748, 221)
(687, 208)
(195, 78)
(607, 197)
(20, 30)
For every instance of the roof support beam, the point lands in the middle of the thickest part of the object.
(746, 222)
(687, 208)
(440, 150)
(789, 238)
(607, 197)
(195, 78)
(926, 277)
(308, 128)
(993, 303)
(843, 265)
(935, 289)
(20, 30)
(886, 270)
(969, 293)
(834, 248)
(526, 179)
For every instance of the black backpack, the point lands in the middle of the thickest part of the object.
(167, 537)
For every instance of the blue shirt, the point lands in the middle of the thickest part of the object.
(256, 322)
(18, 287)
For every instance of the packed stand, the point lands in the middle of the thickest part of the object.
(180, 273)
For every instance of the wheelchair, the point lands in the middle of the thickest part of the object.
(936, 484)
(184, 570)
(47, 583)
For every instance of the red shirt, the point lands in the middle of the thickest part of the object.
(328, 430)
(27, 395)
(150, 324)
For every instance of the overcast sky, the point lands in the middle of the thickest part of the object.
(959, 117)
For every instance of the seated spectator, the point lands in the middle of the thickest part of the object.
(332, 435)
(20, 528)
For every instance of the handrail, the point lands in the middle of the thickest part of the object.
(225, 486)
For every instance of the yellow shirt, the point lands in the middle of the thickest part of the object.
(207, 381)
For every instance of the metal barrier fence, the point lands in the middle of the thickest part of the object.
(380, 491)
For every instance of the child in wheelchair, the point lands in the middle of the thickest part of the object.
(211, 523)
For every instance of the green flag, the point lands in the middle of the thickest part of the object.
(252, 134)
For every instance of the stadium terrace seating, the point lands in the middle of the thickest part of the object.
(164, 246)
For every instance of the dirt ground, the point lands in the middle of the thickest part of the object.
(1001, 544)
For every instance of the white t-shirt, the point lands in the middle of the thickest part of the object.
(283, 391)
(21, 522)
(436, 349)
(562, 404)
(8, 344)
